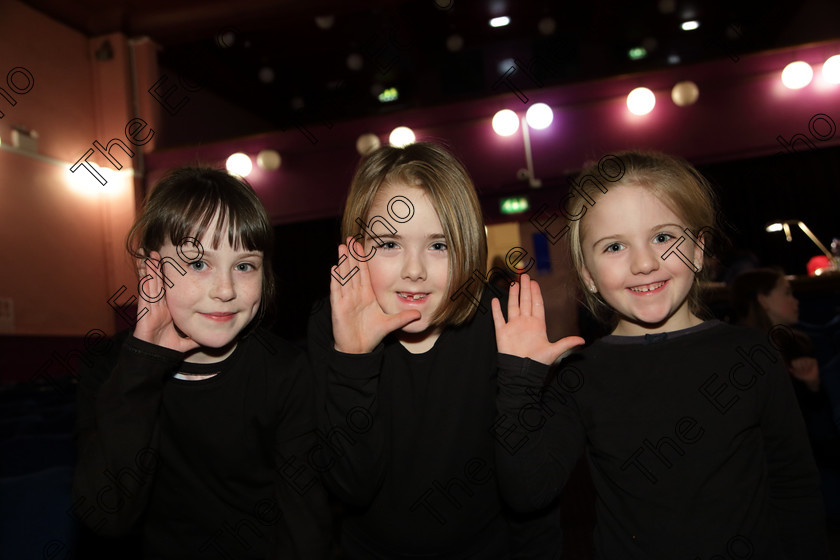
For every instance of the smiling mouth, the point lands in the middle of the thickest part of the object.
(219, 316)
(647, 288)
(413, 296)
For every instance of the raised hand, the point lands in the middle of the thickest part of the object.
(358, 322)
(807, 370)
(524, 334)
(154, 321)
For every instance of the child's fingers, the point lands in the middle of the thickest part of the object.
(525, 295)
(401, 319)
(498, 318)
(537, 303)
(513, 301)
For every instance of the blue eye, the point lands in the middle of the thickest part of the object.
(387, 245)
(613, 247)
(245, 267)
(198, 266)
(663, 237)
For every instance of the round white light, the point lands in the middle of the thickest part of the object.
(454, 43)
(324, 22)
(685, 93)
(539, 116)
(797, 75)
(367, 143)
(831, 70)
(505, 122)
(269, 160)
(239, 164)
(266, 75)
(401, 136)
(355, 61)
(640, 101)
(690, 25)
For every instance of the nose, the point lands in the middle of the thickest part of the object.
(644, 260)
(414, 265)
(222, 287)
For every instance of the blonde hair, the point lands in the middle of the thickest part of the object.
(453, 196)
(671, 179)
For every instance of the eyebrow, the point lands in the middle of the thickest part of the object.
(397, 236)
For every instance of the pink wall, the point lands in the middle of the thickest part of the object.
(62, 254)
(741, 110)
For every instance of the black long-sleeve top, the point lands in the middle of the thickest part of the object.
(695, 443)
(213, 468)
(407, 443)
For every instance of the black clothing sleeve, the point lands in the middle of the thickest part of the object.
(118, 433)
(539, 437)
(351, 447)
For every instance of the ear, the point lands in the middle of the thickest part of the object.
(762, 301)
(588, 280)
(697, 257)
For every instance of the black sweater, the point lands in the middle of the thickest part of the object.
(408, 444)
(695, 443)
(210, 468)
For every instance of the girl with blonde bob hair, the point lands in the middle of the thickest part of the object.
(405, 364)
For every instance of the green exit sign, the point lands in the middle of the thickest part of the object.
(514, 204)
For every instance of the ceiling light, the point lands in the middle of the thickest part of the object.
(539, 116)
(641, 101)
(685, 93)
(401, 136)
(499, 21)
(831, 70)
(505, 122)
(269, 160)
(797, 75)
(690, 25)
(367, 143)
(239, 164)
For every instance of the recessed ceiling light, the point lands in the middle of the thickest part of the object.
(690, 25)
(499, 21)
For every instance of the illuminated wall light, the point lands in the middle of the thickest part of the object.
(641, 101)
(269, 160)
(499, 21)
(388, 95)
(367, 143)
(636, 53)
(514, 205)
(685, 93)
(505, 122)
(690, 25)
(539, 116)
(239, 164)
(831, 70)
(401, 136)
(797, 75)
(86, 184)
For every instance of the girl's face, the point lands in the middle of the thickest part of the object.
(410, 269)
(781, 307)
(624, 236)
(217, 297)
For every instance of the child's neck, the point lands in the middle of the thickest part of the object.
(419, 343)
(204, 355)
(630, 328)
